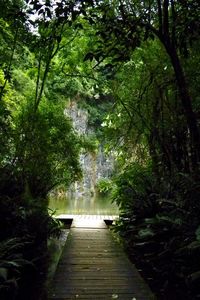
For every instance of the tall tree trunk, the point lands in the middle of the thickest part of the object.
(186, 103)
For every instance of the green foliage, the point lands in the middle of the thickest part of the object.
(39, 149)
(54, 225)
(160, 227)
(143, 106)
(23, 260)
(97, 106)
(12, 264)
(53, 159)
(5, 36)
(197, 232)
(104, 186)
(132, 187)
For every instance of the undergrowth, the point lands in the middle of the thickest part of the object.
(160, 226)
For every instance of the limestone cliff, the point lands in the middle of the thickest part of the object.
(94, 165)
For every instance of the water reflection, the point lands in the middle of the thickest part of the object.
(83, 205)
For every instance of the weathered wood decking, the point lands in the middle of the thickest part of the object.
(94, 266)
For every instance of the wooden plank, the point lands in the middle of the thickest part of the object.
(88, 223)
(100, 297)
(100, 217)
(94, 266)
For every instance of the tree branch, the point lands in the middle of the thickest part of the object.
(173, 32)
(78, 75)
(160, 16)
(10, 62)
(166, 18)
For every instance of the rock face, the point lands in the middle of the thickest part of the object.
(94, 165)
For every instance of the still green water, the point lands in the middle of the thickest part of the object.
(83, 205)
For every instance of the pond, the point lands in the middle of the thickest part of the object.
(83, 205)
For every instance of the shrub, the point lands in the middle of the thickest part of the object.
(160, 226)
(104, 186)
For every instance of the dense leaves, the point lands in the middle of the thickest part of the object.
(134, 66)
(39, 150)
(151, 126)
(161, 229)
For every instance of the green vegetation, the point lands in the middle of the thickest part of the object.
(104, 186)
(134, 66)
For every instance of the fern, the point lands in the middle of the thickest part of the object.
(12, 263)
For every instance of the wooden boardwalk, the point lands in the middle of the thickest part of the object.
(94, 266)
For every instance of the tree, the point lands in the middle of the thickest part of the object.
(39, 148)
(123, 25)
